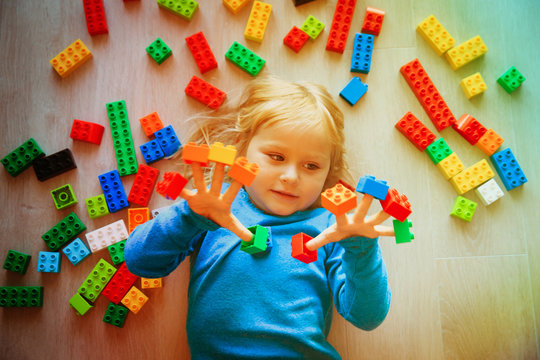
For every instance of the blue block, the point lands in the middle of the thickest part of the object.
(354, 90)
(114, 192)
(49, 262)
(76, 251)
(371, 186)
(362, 52)
(168, 140)
(508, 168)
(151, 151)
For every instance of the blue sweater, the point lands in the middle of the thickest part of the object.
(243, 306)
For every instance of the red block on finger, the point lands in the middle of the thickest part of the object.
(299, 250)
(396, 205)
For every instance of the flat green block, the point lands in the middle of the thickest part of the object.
(438, 151)
(402, 231)
(259, 241)
(122, 140)
(182, 8)
(80, 305)
(511, 80)
(96, 281)
(96, 206)
(66, 230)
(463, 208)
(245, 59)
(17, 261)
(21, 296)
(64, 197)
(22, 157)
(117, 252)
(312, 26)
(159, 51)
(115, 315)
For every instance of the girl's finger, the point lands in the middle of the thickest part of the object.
(362, 209)
(320, 240)
(217, 179)
(341, 221)
(378, 218)
(384, 230)
(231, 192)
(198, 177)
(187, 194)
(234, 225)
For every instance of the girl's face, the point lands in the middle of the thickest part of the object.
(293, 166)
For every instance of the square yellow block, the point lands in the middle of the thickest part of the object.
(134, 300)
(450, 166)
(435, 34)
(472, 177)
(222, 154)
(257, 21)
(71, 58)
(150, 283)
(235, 5)
(473, 85)
(466, 52)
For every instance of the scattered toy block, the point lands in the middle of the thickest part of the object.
(258, 242)
(121, 136)
(115, 314)
(80, 304)
(245, 59)
(341, 23)
(312, 27)
(76, 251)
(96, 21)
(472, 177)
(86, 131)
(66, 230)
(151, 283)
(222, 154)
(473, 85)
(338, 200)
(450, 166)
(17, 261)
(107, 235)
(435, 34)
(295, 39)
(402, 231)
(49, 262)
(117, 252)
(469, 128)
(511, 80)
(508, 168)
(205, 93)
(362, 52)
(354, 90)
(182, 8)
(151, 123)
(438, 151)
(196, 153)
(371, 186)
(373, 21)
(96, 206)
(137, 217)
(243, 171)
(466, 52)
(415, 131)
(159, 51)
(119, 284)
(489, 192)
(463, 208)
(490, 142)
(171, 186)
(257, 21)
(96, 280)
(151, 151)
(143, 185)
(299, 250)
(396, 205)
(21, 158)
(203, 55)
(47, 167)
(71, 58)
(235, 5)
(301, 2)
(114, 192)
(134, 300)
(64, 197)
(21, 296)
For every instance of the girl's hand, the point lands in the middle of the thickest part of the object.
(210, 203)
(356, 224)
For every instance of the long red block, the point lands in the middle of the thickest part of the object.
(341, 24)
(172, 185)
(299, 250)
(94, 12)
(120, 284)
(206, 93)
(203, 55)
(469, 128)
(143, 185)
(86, 131)
(396, 205)
(415, 131)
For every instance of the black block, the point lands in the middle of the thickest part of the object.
(53, 165)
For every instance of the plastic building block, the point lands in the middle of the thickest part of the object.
(117, 252)
(354, 90)
(489, 192)
(396, 205)
(134, 300)
(159, 51)
(362, 52)
(156, 212)
(107, 235)
(171, 186)
(450, 166)
(137, 217)
(243, 171)
(21, 158)
(295, 39)
(222, 154)
(71, 58)
(438, 151)
(80, 304)
(469, 128)
(86, 131)
(113, 190)
(472, 177)
(96, 206)
(64, 197)
(245, 59)
(203, 55)
(312, 26)
(435, 34)
(415, 131)
(143, 185)
(402, 231)
(257, 21)
(490, 142)
(371, 186)
(473, 85)
(182, 8)
(338, 200)
(204, 92)
(258, 242)
(373, 21)
(508, 168)
(151, 123)
(21, 296)
(17, 261)
(96, 280)
(121, 136)
(94, 12)
(348, 186)
(341, 23)
(120, 284)
(76, 251)
(151, 283)
(66, 230)
(235, 5)
(299, 250)
(511, 80)
(466, 52)
(53, 165)
(151, 151)
(427, 94)
(198, 153)
(463, 208)
(115, 314)
(301, 2)
(49, 262)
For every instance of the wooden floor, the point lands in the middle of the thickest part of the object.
(459, 290)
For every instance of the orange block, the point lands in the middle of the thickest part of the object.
(198, 153)
(134, 300)
(151, 123)
(338, 200)
(136, 217)
(490, 142)
(150, 283)
(243, 171)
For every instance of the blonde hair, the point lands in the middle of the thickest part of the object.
(267, 101)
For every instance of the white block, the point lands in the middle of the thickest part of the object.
(489, 192)
(107, 235)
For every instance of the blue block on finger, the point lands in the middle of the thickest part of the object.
(371, 186)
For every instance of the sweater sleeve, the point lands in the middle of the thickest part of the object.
(359, 281)
(154, 249)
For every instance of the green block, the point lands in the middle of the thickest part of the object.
(66, 230)
(183, 8)
(64, 197)
(122, 140)
(245, 59)
(96, 281)
(159, 51)
(402, 231)
(21, 296)
(259, 241)
(463, 208)
(438, 151)
(22, 157)
(117, 252)
(96, 206)
(80, 305)
(115, 315)
(312, 27)
(17, 261)
(511, 80)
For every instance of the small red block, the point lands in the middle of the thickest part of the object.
(299, 250)
(396, 205)
(86, 131)
(203, 55)
(415, 131)
(94, 12)
(373, 21)
(171, 186)
(296, 39)
(469, 128)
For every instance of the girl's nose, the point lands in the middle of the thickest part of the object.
(289, 175)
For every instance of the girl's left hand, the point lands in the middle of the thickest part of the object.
(356, 224)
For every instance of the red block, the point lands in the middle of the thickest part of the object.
(299, 250)
(205, 93)
(295, 39)
(469, 128)
(120, 284)
(96, 22)
(172, 185)
(86, 131)
(396, 205)
(415, 131)
(143, 185)
(341, 23)
(373, 21)
(203, 55)
(428, 95)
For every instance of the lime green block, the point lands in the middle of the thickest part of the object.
(96, 281)
(96, 206)
(182, 8)
(80, 305)
(64, 197)
(463, 208)
(259, 241)
(312, 26)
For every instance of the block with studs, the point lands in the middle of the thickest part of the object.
(450, 166)
(373, 21)
(76, 251)
(115, 315)
(17, 261)
(299, 250)
(96, 206)
(338, 200)
(107, 235)
(64, 197)
(435, 34)
(312, 27)
(396, 205)
(137, 217)
(71, 58)
(511, 79)
(489, 192)
(96, 280)
(151, 123)
(489, 142)
(21, 158)
(463, 208)
(415, 131)
(147, 283)
(508, 168)
(473, 85)
(134, 300)
(472, 177)
(243, 171)
(465, 53)
(257, 21)
(159, 51)
(222, 154)
(171, 186)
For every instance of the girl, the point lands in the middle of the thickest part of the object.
(270, 305)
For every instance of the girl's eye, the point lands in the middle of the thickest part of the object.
(311, 166)
(276, 157)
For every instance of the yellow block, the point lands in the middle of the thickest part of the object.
(473, 85)
(472, 177)
(435, 34)
(258, 19)
(134, 300)
(466, 52)
(150, 283)
(235, 5)
(222, 154)
(450, 166)
(71, 58)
